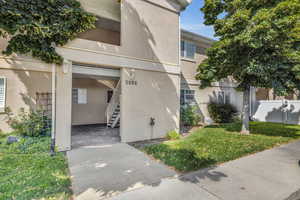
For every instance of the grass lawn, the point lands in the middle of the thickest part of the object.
(27, 171)
(220, 143)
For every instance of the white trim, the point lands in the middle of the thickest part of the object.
(2, 107)
(53, 121)
(188, 59)
(116, 61)
(95, 71)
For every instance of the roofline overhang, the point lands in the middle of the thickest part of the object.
(184, 3)
(197, 37)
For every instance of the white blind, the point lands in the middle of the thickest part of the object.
(2, 92)
(82, 96)
(79, 95)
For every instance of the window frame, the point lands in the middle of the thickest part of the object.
(2, 108)
(184, 49)
(187, 101)
(76, 101)
(224, 95)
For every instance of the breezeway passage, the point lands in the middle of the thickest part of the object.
(101, 171)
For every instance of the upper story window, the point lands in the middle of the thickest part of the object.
(108, 25)
(188, 49)
(2, 93)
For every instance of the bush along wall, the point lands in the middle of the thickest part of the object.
(222, 113)
(189, 116)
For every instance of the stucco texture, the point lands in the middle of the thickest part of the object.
(94, 111)
(21, 89)
(156, 95)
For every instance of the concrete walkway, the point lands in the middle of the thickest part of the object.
(98, 172)
(270, 175)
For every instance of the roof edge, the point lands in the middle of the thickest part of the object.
(197, 37)
(184, 3)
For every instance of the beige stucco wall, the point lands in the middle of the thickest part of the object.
(63, 107)
(204, 96)
(189, 66)
(144, 35)
(149, 41)
(21, 89)
(94, 111)
(155, 95)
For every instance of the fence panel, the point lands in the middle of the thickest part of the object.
(281, 111)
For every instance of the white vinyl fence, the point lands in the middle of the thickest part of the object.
(281, 111)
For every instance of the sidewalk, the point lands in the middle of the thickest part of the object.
(269, 175)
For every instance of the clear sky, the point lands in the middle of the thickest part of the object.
(192, 20)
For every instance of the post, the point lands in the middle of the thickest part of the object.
(246, 111)
(52, 147)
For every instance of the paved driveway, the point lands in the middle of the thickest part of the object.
(106, 170)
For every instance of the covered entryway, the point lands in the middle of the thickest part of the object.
(95, 106)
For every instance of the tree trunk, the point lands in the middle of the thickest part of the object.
(246, 111)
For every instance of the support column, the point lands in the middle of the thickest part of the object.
(64, 106)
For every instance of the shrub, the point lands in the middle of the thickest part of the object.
(222, 113)
(173, 135)
(2, 134)
(189, 116)
(32, 123)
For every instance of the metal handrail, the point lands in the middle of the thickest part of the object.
(114, 102)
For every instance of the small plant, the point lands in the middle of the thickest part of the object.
(2, 134)
(31, 123)
(222, 113)
(189, 116)
(173, 135)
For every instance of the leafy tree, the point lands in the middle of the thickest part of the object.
(259, 45)
(36, 26)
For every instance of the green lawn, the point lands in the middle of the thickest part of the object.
(27, 171)
(220, 143)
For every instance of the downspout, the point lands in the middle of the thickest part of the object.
(179, 65)
(52, 147)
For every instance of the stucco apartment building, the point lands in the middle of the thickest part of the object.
(193, 48)
(133, 71)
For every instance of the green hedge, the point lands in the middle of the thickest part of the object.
(222, 113)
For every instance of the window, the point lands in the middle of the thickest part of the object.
(188, 49)
(187, 97)
(223, 97)
(79, 95)
(109, 95)
(2, 93)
